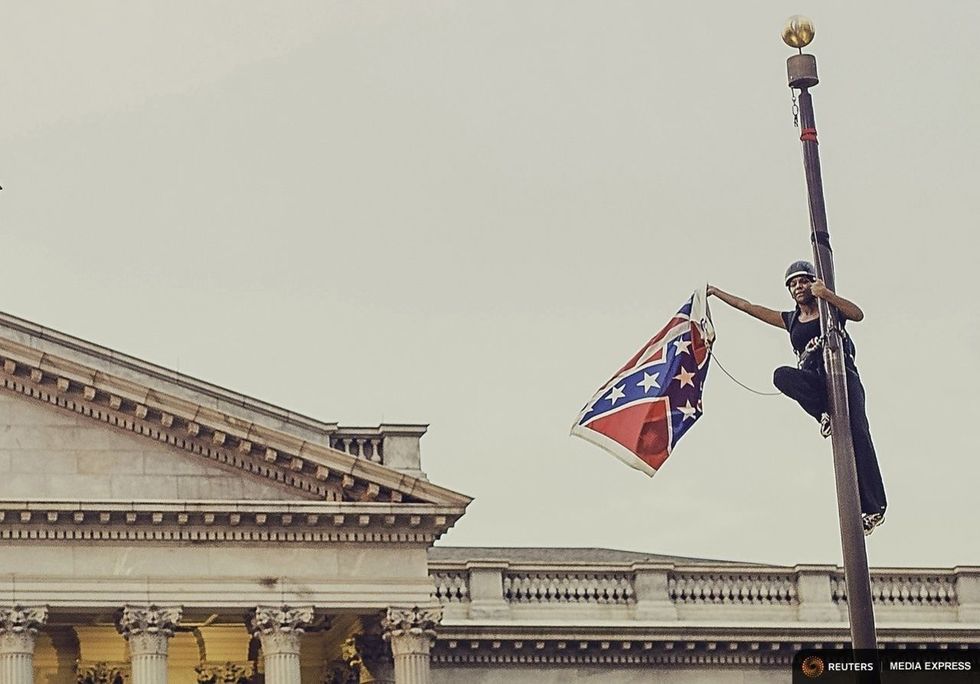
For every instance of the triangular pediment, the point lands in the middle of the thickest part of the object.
(103, 425)
(57, 454)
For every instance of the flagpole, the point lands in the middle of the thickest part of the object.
(802, 71)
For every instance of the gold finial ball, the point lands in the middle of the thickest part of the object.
(798, 32)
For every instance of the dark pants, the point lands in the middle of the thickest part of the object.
(809, 388)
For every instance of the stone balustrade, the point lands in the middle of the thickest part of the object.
(727, 588)
(396, 446)
(366, 446)
(902, 588)
(568, 587)
(452, 586)
(667, 591)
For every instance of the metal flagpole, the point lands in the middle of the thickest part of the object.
(802, 70)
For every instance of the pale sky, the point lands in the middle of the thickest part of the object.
(469, 214)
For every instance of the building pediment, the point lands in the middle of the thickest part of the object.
(299, 458)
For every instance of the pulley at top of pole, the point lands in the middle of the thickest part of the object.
(802, 68)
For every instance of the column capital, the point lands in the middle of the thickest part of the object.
(21, 620)
(411, 631)
(265, 620)
(411, 621)
(150, 620)
(279, 628)
(18, 628)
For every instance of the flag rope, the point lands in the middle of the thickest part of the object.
(714, 356)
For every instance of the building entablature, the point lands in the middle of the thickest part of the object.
(224, 521)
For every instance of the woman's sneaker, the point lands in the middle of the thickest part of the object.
(870, 521)
(825, 425)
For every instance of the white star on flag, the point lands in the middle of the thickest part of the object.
(685, 377)
(689, 411)
(682, 346)
(615, 394)
(649, 381)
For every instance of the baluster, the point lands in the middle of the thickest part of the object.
(704, 589)
(685, 591)
(551, 592)
(440, 581)
(567, 587)
(680, 589)
(515, 588)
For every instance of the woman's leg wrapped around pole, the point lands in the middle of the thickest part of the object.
(870, 486)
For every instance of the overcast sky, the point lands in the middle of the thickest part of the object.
(469, 214)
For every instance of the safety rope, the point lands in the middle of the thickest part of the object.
(764, 394)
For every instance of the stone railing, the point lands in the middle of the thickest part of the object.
(451, 586)
(925, 591)
(568, 587)
(726, 588)
(396, 446)
(359, 444)
(663, 591)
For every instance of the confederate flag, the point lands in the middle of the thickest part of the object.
(639, 415)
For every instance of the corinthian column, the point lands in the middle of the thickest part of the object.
(148, 630)
(18, 628)
(279, 630)
(411, 631)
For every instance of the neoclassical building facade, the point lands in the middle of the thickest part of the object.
(158, 528)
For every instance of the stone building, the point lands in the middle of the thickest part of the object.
(156, 527)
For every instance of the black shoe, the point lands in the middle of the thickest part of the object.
(825, 425)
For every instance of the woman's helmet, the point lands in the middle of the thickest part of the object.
(798, 268)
